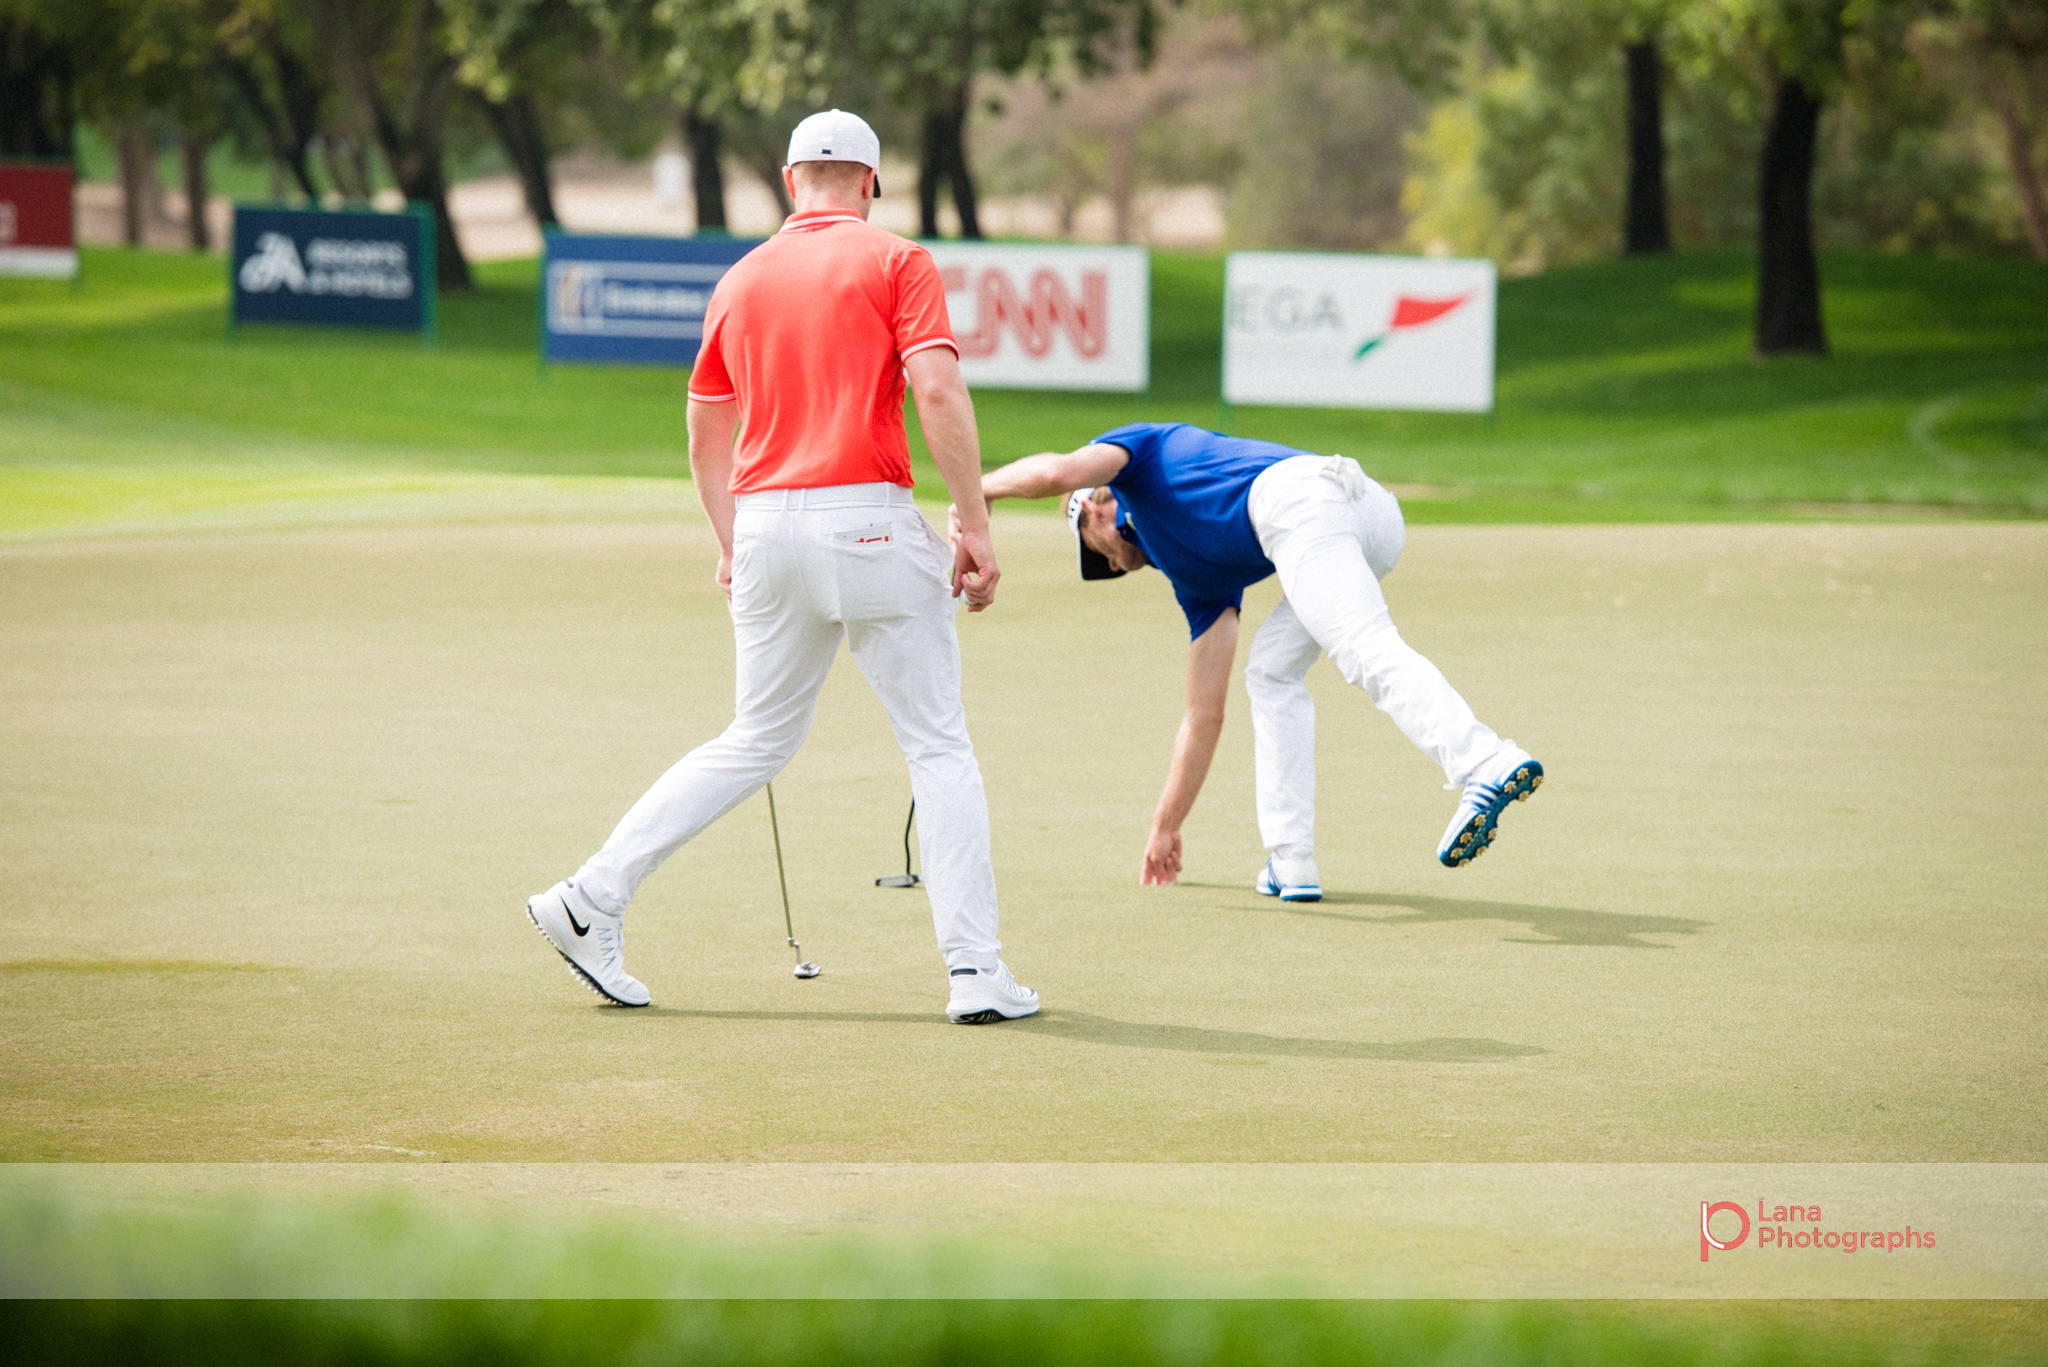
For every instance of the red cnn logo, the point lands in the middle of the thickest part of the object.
(1036, 318)
(1707, 1239)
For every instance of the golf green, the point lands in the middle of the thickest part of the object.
(276, 797)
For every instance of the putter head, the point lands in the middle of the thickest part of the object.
(899, 880)
(807, 969)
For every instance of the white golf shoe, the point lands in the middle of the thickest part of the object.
(1290, 879)
(591, 942)
(983, 998)
(1511, 779)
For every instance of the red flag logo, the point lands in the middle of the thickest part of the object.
(1410, 312)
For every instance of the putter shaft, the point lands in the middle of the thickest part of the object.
(775, 828)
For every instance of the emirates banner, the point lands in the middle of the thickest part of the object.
(1049, 317)
(630, 300)
(1352, 331)
(35, 221)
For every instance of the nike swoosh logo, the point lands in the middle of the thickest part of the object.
(581, 929)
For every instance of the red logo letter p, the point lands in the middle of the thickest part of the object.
(1707, 1239)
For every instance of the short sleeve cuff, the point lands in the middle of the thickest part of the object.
(928, 344)
(711, 398)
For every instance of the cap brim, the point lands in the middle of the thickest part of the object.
(1094, 564)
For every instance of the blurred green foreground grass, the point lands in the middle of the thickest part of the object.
(900, 1333)
(638, 1282)
(1626, 392)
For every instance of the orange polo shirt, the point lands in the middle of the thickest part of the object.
(808, 332)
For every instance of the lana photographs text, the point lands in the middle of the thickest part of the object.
(1796, 1226)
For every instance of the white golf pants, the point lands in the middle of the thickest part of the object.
(810, 566)
(1333, 534)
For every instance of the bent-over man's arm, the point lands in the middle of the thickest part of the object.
(712, 428)
(1210, 657)
(1051, 472)
(946, 412)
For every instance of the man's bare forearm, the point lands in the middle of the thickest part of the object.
(1032, 477)
(1194, 749)
(1210, 658)
(947, 417)
(945, 411)
(1051, 473)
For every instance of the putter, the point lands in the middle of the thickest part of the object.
(804, 967)
(905, 879)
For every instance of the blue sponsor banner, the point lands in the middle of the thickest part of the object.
(638, 300)
(333, 268)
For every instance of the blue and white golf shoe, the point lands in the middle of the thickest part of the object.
(1290, 879)
(1478, 818)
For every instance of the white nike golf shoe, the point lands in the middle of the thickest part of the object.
(592, 943)
(1511, 778)
(983, 998)
(1290, 879)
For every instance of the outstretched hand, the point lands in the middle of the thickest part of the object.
(1162, 859)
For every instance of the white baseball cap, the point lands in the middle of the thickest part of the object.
(836, 135)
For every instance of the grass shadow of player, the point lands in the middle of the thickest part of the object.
(1552, 925)
(1202, 1039)
(1186, 1039)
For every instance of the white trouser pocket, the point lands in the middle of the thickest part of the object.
(868, 575)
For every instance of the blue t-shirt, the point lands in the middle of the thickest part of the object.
(1184, 493)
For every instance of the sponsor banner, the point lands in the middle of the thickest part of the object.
(333, 268)
(1350, 331)
(636, 300)
(35, 221)
(1049, 317)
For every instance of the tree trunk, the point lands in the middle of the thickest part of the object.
(348, 167)
(958, 173)
(1788, 279)
(517, 122)
(1121, 166)
(413, 144)
(769, 169)
(942, 162)
(930, 171)
(138, 180)
(706, 140)
(36, 107)
(288, 123)
(193, 148)
(2019, 158)
(1647, 229)
(429, 187)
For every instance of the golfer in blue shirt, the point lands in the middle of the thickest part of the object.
(1216, 515)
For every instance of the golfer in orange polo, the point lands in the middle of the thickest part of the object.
(807, 345)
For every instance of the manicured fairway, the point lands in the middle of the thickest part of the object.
(279, 796)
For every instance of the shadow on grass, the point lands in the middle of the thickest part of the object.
(1552, 925)
(1180, 1039)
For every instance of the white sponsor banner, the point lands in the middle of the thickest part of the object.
(1049, 317)
(1349, 331)
(48, 263)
